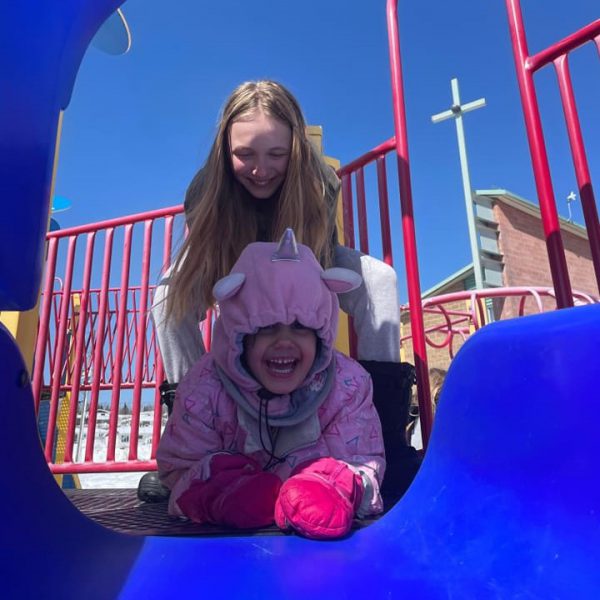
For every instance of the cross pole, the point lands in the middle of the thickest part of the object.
(456, 112)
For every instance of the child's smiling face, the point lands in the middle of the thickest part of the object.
(280, 356)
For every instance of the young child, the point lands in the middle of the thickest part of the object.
(274, 425)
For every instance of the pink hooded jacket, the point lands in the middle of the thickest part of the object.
(220, 407)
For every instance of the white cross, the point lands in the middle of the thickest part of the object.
(571, 198)
(456, 111)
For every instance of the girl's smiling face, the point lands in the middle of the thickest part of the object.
(260, 147)
(280, 356)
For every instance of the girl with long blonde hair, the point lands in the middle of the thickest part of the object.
(261, 176)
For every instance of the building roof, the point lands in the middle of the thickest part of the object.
(519, 203)
(465, 274)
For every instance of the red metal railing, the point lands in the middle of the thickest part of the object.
(452, 321)
(526, 66)
(355, 169)
(98, 341)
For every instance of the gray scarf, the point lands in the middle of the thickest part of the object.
(298, 427)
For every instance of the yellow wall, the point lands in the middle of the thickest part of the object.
(315, 134)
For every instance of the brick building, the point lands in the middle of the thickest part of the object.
(513, 254)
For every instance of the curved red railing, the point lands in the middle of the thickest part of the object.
(457, 321)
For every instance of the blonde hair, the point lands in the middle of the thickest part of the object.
(221, 220)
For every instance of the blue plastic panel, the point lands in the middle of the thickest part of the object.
(43, 42)
(505, 504)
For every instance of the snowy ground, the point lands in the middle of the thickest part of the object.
(116, 480)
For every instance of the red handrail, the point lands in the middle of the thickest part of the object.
(526, 66)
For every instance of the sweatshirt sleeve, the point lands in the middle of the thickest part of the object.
(190, 438)
(354, 433)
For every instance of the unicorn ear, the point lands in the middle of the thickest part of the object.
(287, 249)
(228, 286)
(340, 280)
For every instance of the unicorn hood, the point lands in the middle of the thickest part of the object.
(276, 283)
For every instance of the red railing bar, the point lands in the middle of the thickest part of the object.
(583, 36)
(168, 241)
(51, 342)
(347, 211)
(582, 171)
(132, 288)
(79, 326)
(42, 336)
(499, 293)
(150, 351)
(384, 212)
(361, 207)
(89, 341)
(99, 346)
(130, 328)
(408, 226)
(368, 157)
(160, 371)
(103, 467)
(141, 342)
(117, 222)
(447, 325)
(158, 409)
(348, 221)
(120, 335)
(539, 158)
(59, 348)
(157, 420)
(108, 386)
(111, 328)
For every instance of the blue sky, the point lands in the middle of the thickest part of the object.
(139, 125)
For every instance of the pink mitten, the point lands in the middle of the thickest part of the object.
(237, 494)
(319, 499)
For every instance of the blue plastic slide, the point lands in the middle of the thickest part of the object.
(506, 504)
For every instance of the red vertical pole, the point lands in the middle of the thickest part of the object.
(348, 218)
(539, 158)
(79, 349)
(361, 207)
(122, 319)
(347, 212)
(60, 354)
(140, 342)
(408, 225)
(384, 212)
(582, 171)
(98, 360)
(40, 344)
(160, 372)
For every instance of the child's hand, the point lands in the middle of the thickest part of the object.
(320, 499)
(237, 494)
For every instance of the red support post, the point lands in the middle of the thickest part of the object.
(79, 332)
(384, 211)
(408, 226)
(122, 318)
(539, 157)
(582, 171)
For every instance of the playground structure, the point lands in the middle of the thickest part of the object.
(475, 504)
